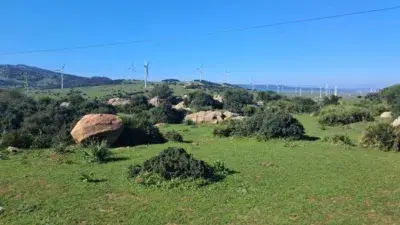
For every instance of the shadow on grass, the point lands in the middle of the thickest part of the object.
(309, 138)
(187, 142)
(219, 176)
(117, 159)
(96, 180)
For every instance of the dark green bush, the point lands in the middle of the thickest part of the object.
(138, 131)
(164, 113)
(343, 114)
(267, 96)
(304, 105)
(200, 100)
(382, 136)
(249, 110)
(175, 163)
(16, 139)
(331, 100)
(222, 131)
(280, 125)
(174, 136)
(236, 99)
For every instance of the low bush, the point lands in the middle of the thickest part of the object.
(16, 139)
(249, 110)
(343, 115)
(138, 131)
(98, 152)
(174, 136)
(338, 139)
(382, 136)
(190, 122)
(174, 163)
(222, 131)
(280, 125)
(164, 113)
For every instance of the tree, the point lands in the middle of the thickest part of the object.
(267, 96)
(163, 91)
(235, 100)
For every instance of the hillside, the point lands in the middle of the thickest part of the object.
(13, 76)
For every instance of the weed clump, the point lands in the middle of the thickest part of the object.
(338, 139)
(98, 152)
(382, 136)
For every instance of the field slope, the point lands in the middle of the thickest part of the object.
(277, 182)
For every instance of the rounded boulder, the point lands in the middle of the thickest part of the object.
(104, 126)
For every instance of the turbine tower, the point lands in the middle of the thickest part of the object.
(326, 90)
(200, 69)
(277, 88)
(336, 91)
(62, 75)
(132, 69)
(253, 85)
(227, 75)
(320, 92)
(146, 73)
(300, 90)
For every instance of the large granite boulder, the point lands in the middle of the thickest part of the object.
(156, 101)
(206, 117)
(218, 98)
(181, 106)
(105, 126)
(386, 115)
(118, 101)
(396, 122)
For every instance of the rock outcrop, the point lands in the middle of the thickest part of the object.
(396, 122)
(181, 106)
(118, 101)
(105, 126)
(386, 115)
(218, 98)
(212, 117)
(156, 101)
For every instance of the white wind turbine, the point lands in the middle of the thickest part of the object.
(146, 73)
(62, 75)
(227, 73)
(200, 69)
(132, 69)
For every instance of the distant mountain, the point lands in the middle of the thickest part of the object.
(14, 76)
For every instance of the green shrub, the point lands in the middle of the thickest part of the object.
(138, 131)
(338, 139)
(16, 139)
(174, 136)
(175, 163)
(267, 96)
(222, 131)
(200, 100)
(190, 122)
(164, 113)
(61, 148)
(304, 105)
(249, 110)
(280, 125)
(343, 115)
(236, 99)
(382, 136)
(163, 91)
(98, 152)
(331, 100)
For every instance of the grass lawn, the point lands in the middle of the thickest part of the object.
(277, 182)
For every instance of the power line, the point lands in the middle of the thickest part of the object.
(209, 33)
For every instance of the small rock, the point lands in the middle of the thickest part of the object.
(13, 149)
(1, 210)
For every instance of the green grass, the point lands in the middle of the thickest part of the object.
(100, 91)
(278, 182)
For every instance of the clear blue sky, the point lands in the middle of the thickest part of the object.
(352, 51)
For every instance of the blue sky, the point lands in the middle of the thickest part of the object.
(362, 50)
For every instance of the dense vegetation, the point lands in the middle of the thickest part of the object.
(343, 114)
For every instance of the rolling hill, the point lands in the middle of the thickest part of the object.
(14, 76)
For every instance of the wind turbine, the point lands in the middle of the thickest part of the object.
(253, 85)
(267, 87)
(132, 69)
(320, 92)
(300, 90)
(200, 69)
(227, 75)
(146, 73)
(62, 75)
(336, 91)
(326, 90)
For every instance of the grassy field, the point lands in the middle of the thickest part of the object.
(99, 91)
(277, 182)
